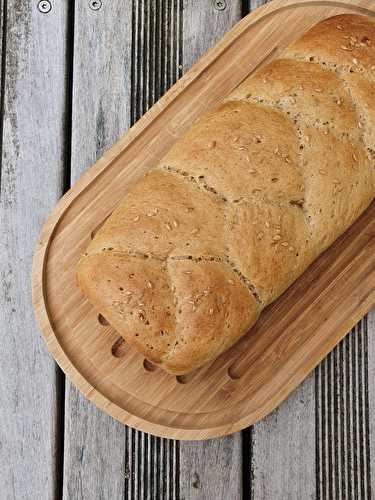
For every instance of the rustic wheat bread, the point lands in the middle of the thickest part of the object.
(243, 203)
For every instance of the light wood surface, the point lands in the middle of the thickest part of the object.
(32, 127)
(290, 338)
(95, 444)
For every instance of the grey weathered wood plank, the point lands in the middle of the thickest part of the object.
(283, 449)
(95, 444)
(343, 417)
(212, 470)
(2, 40)
(154, 471)
(32, 164)
(283, 444)
(101, 80)
(203, 26)
(209, 469)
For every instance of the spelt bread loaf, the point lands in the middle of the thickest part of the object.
(243, 203)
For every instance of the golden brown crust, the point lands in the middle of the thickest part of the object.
(213, 309)
(164, 212)
(339, 40)
(134, 295)
(232, 150)
(303, 90)
(243, 203)
(278, 244)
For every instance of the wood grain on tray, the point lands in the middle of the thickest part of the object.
(244, 384)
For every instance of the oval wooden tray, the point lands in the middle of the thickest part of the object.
(291, 337)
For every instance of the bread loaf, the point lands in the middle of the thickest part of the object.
(243, 203)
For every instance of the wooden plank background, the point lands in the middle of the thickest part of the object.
(33, 154)
(72, 81)
(100, 86)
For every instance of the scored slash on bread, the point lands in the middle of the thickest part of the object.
(243, 203)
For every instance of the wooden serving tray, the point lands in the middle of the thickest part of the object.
(292, 336)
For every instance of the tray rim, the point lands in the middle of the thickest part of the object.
(39, 299)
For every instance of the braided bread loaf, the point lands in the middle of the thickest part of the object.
(243, 203)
